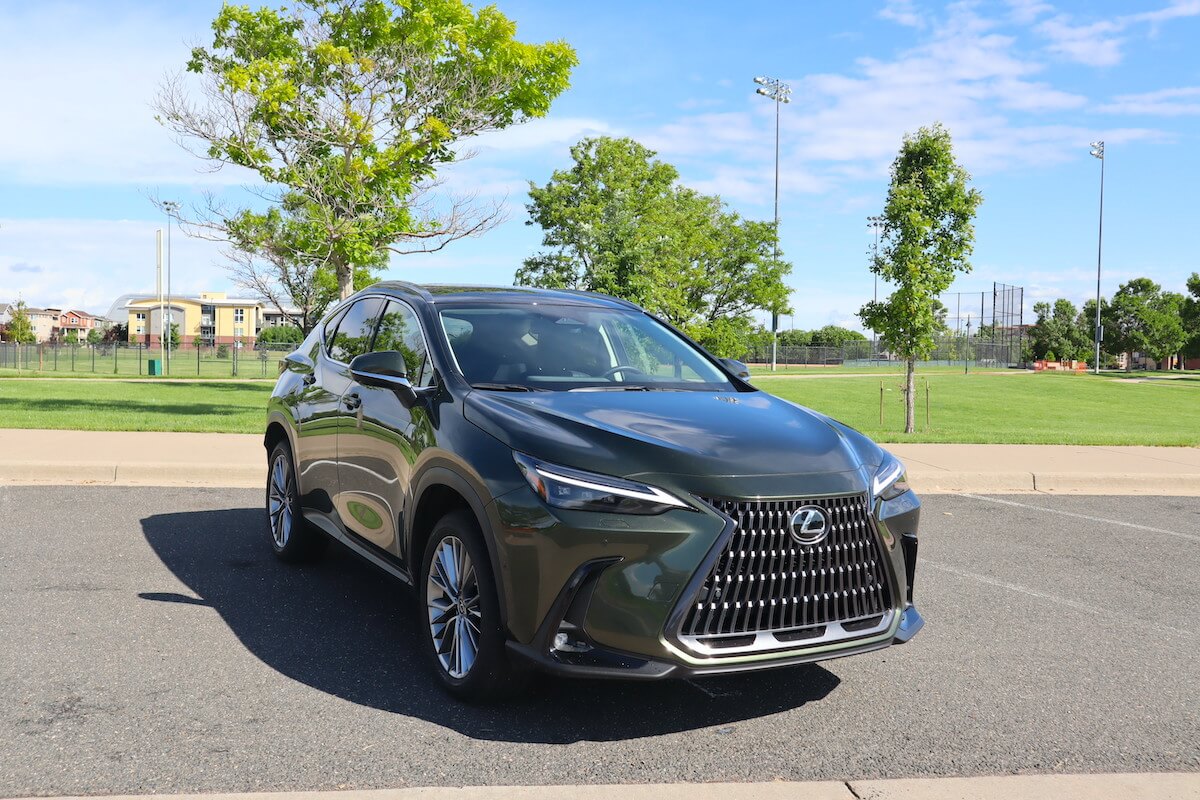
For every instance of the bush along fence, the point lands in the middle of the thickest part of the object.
(220, 361)
(950, 350)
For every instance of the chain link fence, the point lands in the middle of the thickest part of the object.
(133, 360)
(1002, 352)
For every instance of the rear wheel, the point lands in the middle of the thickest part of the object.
(460, 612)
(292, 538)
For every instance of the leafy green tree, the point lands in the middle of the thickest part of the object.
(617, 222)
(791, 338)
(346, 108)
(1144, 319)
(834, 336)
(20, 328)
(71, 337)
(1058, 329)
(95, 336)
(1191, 317)
(281, 334)
(926, 238)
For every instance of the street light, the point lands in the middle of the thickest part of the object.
(875, 223)
(170, 207)
(1098, 152)
(780, 92)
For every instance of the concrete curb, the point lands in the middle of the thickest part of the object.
(1127, 786)
(144, 474)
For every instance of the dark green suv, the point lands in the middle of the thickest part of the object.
(572, 484)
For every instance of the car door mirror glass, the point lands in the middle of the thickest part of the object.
(737, 368)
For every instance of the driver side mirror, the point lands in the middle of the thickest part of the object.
(385, 370)
(737, 368)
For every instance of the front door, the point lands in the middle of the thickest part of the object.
(379, 445)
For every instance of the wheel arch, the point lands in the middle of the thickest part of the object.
(438, 492)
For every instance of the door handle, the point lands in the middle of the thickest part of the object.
(352, 401)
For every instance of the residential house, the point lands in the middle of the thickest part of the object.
(78, 322)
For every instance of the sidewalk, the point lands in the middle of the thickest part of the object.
(1135, 786)
(238, 460)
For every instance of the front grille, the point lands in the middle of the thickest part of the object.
(765, 581)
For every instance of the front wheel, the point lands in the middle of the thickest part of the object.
(292, 538)
(460, 612)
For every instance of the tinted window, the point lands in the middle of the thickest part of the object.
(574, 347)
(399, 329)
(353, 336)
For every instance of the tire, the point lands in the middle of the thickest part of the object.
(292, 538)
(457, 543)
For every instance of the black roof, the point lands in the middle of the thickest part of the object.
(439, 294)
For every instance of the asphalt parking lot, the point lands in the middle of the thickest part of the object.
(149, 642)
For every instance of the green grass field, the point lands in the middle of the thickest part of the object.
(1143, 408)
(110, 405)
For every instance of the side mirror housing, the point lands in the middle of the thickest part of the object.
(385, 370)
(737, 368)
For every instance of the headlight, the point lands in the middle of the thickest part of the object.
(563, 487)
(889, 481)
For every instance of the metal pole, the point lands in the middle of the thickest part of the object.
(158, 241)
(775, 314)
(170, 312)
(1099, 252)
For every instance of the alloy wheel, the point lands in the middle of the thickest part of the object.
(452, 598)
(279, 501)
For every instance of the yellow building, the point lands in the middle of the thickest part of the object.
(210, 319)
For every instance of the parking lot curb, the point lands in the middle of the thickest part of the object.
(1126, 786)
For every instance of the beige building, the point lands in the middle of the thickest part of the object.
(210, 319)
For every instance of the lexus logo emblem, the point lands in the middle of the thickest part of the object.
(810, 525)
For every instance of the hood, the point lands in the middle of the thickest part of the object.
(762, 443)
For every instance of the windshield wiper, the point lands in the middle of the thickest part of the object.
(507, 387)
(620, 387)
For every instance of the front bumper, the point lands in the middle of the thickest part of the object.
(595, 595)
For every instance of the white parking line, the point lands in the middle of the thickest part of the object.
(1189, 536)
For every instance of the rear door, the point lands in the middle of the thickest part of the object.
(378, 446)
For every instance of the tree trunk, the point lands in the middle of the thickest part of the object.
(909, 398)
(345, 274)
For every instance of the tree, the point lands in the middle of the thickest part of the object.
(173, 336)
(1191, 316)
(834, 336)
(71, 337)
(95, 336)
(20, 329)
(617, 222)
(790, 338)
(281, 334)
(927, 236)
(1058, 329)
(1144, 319)
(345, 109)
(118, 332)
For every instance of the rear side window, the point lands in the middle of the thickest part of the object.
(399, 329)
(353, 335)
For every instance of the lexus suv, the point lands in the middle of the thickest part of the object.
(571, 484)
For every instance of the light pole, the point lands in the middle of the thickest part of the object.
(780, 92)
(170, 207)
(1098, 152)
(874, 223)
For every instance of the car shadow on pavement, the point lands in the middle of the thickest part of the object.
(343, 627)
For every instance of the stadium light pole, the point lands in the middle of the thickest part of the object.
(170, 207)
(780, 92)
(1098, 152)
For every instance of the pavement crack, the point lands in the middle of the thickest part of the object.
(850, 789)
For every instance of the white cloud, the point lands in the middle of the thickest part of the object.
(77, 83)
(88, 263)
(1163, 102)
(902, 12)
(1099, 43)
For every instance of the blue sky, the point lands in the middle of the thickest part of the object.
(1023, 86)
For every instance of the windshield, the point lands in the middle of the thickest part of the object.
(573, 348)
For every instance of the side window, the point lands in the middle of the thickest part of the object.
(399, 329)
(353, 336)
(331, 328)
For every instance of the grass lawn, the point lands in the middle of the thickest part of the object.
(1013, 409)
(1144, 408)
(112, 405)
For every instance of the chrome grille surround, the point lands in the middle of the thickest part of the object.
(767, 592)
